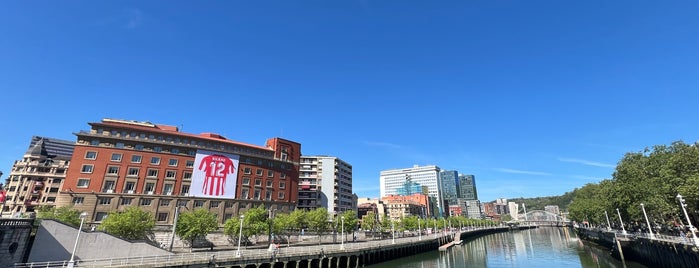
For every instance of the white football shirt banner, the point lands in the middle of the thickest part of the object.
(215, 174)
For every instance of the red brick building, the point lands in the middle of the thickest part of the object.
(120, 163)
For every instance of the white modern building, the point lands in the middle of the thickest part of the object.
(393, 180)
(325, 181)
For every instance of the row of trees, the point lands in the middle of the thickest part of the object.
(652, 177)
(137, 224)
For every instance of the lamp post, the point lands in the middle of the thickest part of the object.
(623, 230)
(271, 222)
(609, 226)
(71, 262)
(419, 232)
(240, 236)
(393, 232)
(342, 235)
(174, 226)
(691, 227)
(650, 228)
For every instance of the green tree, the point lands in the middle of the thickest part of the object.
(317, 221)
(351, 222)
(256, 222)
(68, 214)
(195, 225)
(133, 224)
(409, 223)
(231, 228)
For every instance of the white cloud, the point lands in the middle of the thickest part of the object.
(585, 162)
(383, 144)
(516, 171)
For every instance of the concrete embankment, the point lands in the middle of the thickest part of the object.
(656, 252)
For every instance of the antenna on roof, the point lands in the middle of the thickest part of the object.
(181, 127)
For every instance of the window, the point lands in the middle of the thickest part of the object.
(257, 194)
(268, 195)
(157, 149)
(94, 142)
(189, 163)
(146, 201)
(104, 200)
(162, 216)
(167, 188)
(282, 185)
(86, 169)
(113, 170)
(227, 216)
(258, 182)
(172, 162)
(153, 173)
(185, 189)
(270, 173)
(56, 180)
(182, 203)
(244, 193)
(155, 160)
(83, 183)
(129, 187)
(50, 199)
(280, 195)
(165, 202)
(258, 172)
(214, 204)
(246, 181)
(136, 158)
(100, 216)
(282, 176)
(175, 151)
(53, 190)
(228, 204)
(139, 147)
(198, 203)
(187, 175)
(170, 174)
(119, 145)
(150, 187)
(270, 184)
(247, 170)
(133, 171)
(108, 187)
(91, 155)
(126, 201)
(78, 200)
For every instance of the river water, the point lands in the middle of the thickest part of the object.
(541, 247)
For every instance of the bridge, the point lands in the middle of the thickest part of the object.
(543, 218)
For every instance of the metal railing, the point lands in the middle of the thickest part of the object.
(247, 255)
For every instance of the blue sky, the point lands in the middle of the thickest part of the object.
(535, 98)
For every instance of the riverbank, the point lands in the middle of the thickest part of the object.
(659, 251)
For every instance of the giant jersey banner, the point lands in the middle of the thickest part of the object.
(215, 174)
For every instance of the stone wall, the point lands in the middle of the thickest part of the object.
(14, 240)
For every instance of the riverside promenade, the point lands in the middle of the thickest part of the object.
(304, 255)
(656, 251)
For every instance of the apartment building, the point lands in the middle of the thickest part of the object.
(122, 163)
(36, 179)
(325, 181)
(390, 181)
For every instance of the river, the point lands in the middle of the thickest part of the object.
(540, 247)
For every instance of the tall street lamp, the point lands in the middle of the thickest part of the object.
(650, 228)
(393, 232)
(609, 226)
(691, 227)
(342, 235)
(240, 235)
(271, 222)
(71, 262)
(623, 230)
(419, 231)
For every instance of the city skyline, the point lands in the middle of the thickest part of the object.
(534, 100)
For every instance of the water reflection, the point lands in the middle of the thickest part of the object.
(541, 247)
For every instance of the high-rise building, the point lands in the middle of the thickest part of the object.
(36, 179)
(120, 163)
(450, 188)
(392, 180)
(467, 187)
(325, 181)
